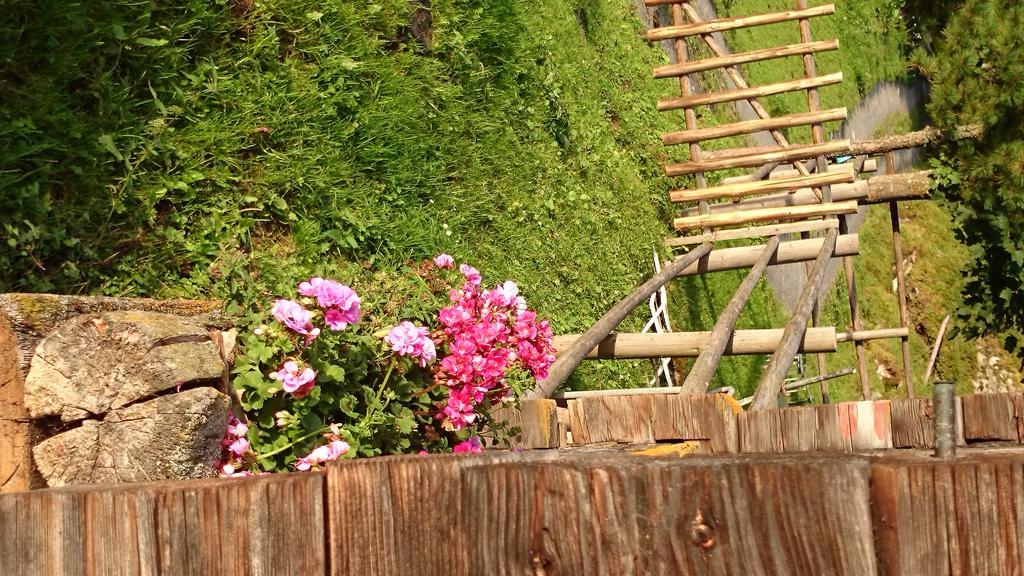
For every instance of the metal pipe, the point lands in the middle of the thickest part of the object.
(944, 409)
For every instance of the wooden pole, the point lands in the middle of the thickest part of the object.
(935, 350)
(723, 24)
(789, 251)
(851, 286)
(751, 126)
(817, 137)
(775, 371)
(708, 98)
(572, 357)
(704, 367)
(878, 334)
(627, 346)
(901, 283)
(671, 70)
(690, 116)
(787, 155)
(753, 232)
(765, 214)
(738, 191)
(803, 197)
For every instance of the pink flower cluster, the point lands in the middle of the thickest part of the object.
(340, 303)
(295, 381)
(473, 444)
(407, 339)
(234, 446)
(487, 332)
(295, 318)
(322, 454)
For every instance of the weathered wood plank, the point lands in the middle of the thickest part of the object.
(536, 419)
(991, 416)
(938, 517)
(602, 514)
(624, 419)
(707, 417)
(843, 427)
(913, 423)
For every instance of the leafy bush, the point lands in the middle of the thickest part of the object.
(322, 382)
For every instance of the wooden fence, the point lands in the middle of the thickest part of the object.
(542, 512)
(715, 424)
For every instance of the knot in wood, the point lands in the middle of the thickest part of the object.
(702, 535)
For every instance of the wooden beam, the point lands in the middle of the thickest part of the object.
(572, 357)
(894, 187)
(736, 191)
(792, 153)
(723, 24)
(764, 215)
(753, 232)
(685, 91)
(774, 374)
(917, 139)
(703, 369)
(673, 70)
(791, 251)
(751, 126)
(708, 98)
(803, 197)
(790, 173)
(622, 346)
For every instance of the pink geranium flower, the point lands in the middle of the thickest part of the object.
(323, 454)
(444, 261)
(294, 381)
(470, 445)
(472, 275)
(407, 339)
(340, 303)
(295, 318)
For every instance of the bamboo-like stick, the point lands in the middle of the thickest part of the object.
(765, 214)
(737, 152)
(935, 350)
(736, 191)
(901, 286)
(753, 232)
(791, 251)
(783, 174)
(723, 24)
(689, 115)
(709, 98)
(851, 290)
(787, 155)
(775, 371)
(751, 126)
(672, 70)
(703, 369)
(803, 197)
(877, 334)
(572, 357)
(622, 346)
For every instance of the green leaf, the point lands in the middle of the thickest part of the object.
(107, 141)
(143, 41)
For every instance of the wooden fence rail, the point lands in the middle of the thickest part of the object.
(541, 512)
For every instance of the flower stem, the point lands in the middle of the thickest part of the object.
(297, 440)
(380, 392)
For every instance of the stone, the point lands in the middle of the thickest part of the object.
(95, 363)
(169, 437)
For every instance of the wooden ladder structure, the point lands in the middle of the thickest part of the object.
(814, 200)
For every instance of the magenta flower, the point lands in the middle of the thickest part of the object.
(322, 454)
(444, 261)
(407, 339)
(470, 445)
(293, 381)
(340, 303)
(472, 275)
(295, 318)
(237, 428)
(337, 319)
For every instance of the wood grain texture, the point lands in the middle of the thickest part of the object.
(991, 416)
(938, 518)
(707, 417)
(843, 427)
(537, 421)
(266, 525)
(913, 423)
(622, 419)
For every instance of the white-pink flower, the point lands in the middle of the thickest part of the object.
(407, 339)
(295, 318)
(444, 261)
(295, 381)
(472, 275)
(239, 447)
(322, 454)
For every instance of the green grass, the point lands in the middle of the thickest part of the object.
(196, 149)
